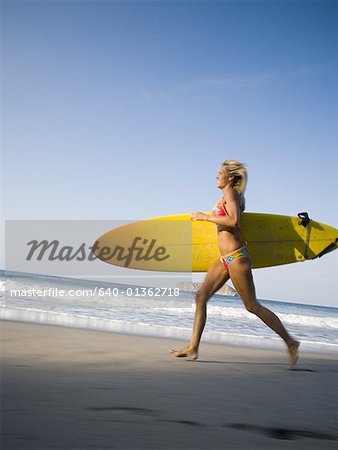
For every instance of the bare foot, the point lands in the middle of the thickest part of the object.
(185, 352)
(293, 353)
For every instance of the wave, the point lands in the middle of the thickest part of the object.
(230, 322)
(172, 305)
(241, 313)
(174, 332)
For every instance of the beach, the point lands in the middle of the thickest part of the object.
(67, 388)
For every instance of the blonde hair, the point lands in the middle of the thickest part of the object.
(239, 172)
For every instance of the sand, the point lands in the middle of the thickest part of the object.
(65, 388)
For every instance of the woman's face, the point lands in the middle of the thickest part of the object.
(222, 177)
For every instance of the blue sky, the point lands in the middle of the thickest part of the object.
(124, 110)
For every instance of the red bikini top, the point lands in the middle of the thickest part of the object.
(219, 209)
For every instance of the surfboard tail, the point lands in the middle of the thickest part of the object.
(328, 249)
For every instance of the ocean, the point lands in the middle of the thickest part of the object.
(126, 308)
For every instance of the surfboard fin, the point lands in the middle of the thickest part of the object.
(305, 219)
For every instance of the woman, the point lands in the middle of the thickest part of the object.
(235, 262)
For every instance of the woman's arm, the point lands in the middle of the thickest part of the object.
(233, 213)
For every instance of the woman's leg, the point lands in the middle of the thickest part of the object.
(241, 276)
(215, 278)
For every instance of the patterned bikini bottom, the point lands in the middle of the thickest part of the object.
(226, 259)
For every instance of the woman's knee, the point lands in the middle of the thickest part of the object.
(253, 307)
(201, 297)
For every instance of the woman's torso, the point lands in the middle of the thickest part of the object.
(228, 237)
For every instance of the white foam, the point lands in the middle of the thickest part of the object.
(95, 323)
(296, 319)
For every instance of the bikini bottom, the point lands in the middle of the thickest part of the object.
(226, 259)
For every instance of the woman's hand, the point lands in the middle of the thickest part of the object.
(198, 216)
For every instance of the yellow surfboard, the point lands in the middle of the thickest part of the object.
(178, 244)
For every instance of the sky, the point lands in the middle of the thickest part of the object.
(125, 110)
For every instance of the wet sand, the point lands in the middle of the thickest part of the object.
(65, 388)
